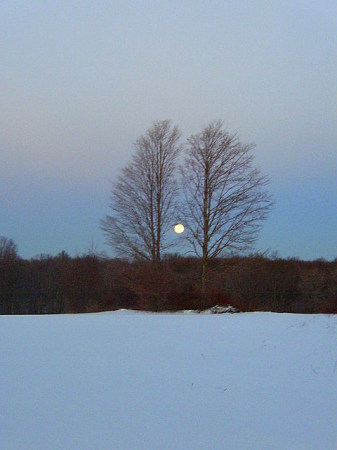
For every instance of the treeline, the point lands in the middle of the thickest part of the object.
(90, 283)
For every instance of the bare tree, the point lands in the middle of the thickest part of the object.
(8, 249)
(225, 197)
(143, 198)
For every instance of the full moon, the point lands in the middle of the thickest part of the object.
(179, 228)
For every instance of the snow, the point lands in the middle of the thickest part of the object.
(128, 380)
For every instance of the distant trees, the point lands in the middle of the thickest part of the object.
(49, 285)
(143, 198)
(225, 196)
(8, 249)
(8, 273)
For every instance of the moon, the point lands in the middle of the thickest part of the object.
(179, 228)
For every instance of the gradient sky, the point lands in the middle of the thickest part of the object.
(81, 80)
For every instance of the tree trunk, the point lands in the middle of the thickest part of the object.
(204, 280)
(206, 231)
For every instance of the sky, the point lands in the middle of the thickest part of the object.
(80, 81)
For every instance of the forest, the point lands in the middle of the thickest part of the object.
(92, 283)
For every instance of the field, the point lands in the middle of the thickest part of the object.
(128, 380)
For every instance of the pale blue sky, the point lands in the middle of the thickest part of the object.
(81, 80)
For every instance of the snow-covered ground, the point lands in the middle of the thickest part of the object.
(257, 381)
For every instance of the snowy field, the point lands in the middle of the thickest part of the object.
(127, 381)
